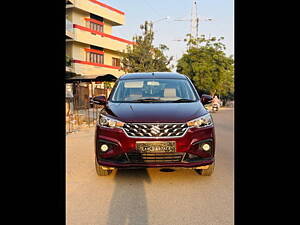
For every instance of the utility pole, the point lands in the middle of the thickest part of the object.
(194, 20)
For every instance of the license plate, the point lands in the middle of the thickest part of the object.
(155, 146)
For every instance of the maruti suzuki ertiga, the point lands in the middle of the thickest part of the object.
(154, 120)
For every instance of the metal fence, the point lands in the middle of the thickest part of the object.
(80, 112)
(78, 117)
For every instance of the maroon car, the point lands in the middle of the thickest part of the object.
(153, 120)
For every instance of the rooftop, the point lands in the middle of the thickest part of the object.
(150, 75)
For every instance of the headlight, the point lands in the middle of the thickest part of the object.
(203, 121)
(105, 121)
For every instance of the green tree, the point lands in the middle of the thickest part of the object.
(206, 64)
(68, 61)
(143, 56)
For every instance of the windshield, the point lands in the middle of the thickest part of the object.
(154, 90)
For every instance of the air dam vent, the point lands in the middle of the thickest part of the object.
(155, 157)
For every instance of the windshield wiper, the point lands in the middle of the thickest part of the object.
(183, 100)
(147, 100)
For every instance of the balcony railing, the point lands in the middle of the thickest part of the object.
(98, 8)
(107, 6)
(103, 34)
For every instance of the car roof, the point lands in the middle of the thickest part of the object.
(150, 75)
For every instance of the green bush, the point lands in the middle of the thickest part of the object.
(68, 61)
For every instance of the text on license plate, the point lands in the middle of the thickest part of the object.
(156, 146)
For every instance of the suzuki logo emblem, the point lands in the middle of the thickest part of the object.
(155, 129)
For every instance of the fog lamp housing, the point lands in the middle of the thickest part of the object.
(104, 146)
(205, 146)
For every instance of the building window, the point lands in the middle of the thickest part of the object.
(94, 25)
(116, 62)
(94, 57)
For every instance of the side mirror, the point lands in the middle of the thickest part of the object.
(99, 100)
(206, 99)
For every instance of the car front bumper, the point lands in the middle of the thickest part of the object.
(122, 151)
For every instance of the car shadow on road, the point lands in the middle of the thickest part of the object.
(129, 204)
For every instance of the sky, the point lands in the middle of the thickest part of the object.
(166, 31)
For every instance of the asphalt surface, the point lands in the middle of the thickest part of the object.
(141, 197)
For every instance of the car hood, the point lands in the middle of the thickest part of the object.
(155, 112)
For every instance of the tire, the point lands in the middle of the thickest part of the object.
(100, 171)
(207, 172)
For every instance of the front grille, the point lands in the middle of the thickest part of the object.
(155, 129)
(155, 157)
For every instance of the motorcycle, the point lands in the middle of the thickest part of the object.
(215, 107)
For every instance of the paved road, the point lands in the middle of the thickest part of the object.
(141, 197)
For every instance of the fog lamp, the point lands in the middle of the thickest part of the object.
(205, 147)
(104, 148)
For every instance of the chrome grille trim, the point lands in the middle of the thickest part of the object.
(155, 130)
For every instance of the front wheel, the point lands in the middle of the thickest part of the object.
(100, 171)
(207, 172)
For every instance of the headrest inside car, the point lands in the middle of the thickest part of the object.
(170, 92)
